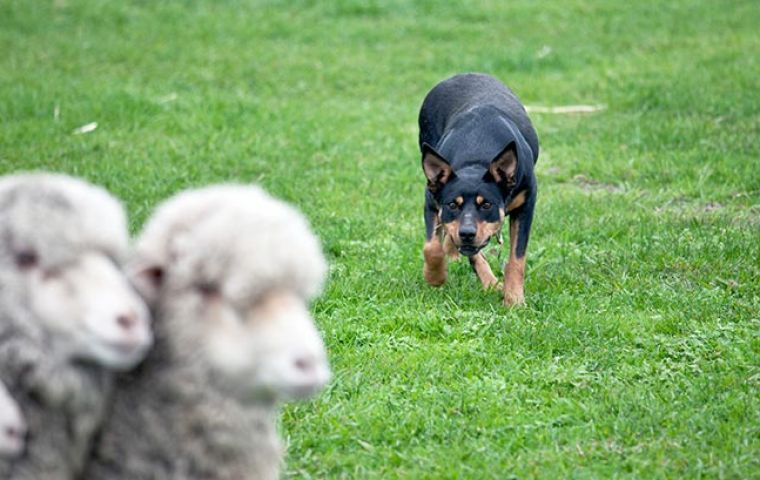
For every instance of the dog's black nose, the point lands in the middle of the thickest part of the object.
(467, 233)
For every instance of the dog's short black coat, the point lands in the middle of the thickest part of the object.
(478, 152)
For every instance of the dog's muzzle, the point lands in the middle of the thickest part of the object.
(469, 250)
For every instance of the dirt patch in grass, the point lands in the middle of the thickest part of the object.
(589, 184)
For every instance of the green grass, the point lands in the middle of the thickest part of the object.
(638, 353)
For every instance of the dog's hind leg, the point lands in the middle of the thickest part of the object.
(482, 269)
(434, 269)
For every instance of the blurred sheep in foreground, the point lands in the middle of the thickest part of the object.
(228, 272)
(66, 312)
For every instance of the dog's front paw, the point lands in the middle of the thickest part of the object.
(434, 269)
(513, 298)
(434, 276)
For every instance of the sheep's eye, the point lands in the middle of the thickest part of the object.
(486, 206)
(453, 205)
(208, 289)
(51, 274)
(26, 259)
(154, 275)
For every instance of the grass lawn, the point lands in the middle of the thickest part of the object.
(638, 353)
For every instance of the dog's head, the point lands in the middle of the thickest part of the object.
(471, 200)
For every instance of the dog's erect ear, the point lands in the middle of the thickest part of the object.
(503, 168)
(437, 169)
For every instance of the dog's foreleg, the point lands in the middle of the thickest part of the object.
(482, 269)
(434, 269)
(514, 271)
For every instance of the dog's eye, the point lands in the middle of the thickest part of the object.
(453, 205)
(486, 206)
(26, 259)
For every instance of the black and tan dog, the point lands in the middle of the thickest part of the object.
(478, 152)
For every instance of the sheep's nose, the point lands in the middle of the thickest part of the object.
(467, 233)
(127, 321)
(306, 364)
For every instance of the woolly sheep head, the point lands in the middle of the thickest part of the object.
(12, 426)
(229, 272)
(61, 243)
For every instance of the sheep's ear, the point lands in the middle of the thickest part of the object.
(436, 168)
(147, 278)
(503, 168)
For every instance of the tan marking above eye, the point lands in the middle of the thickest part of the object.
(479, 200)
(459, 200)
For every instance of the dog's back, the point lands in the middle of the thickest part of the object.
(456, 97)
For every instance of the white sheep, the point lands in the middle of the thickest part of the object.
(12, 425)
(228, 272)
(66, 310)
